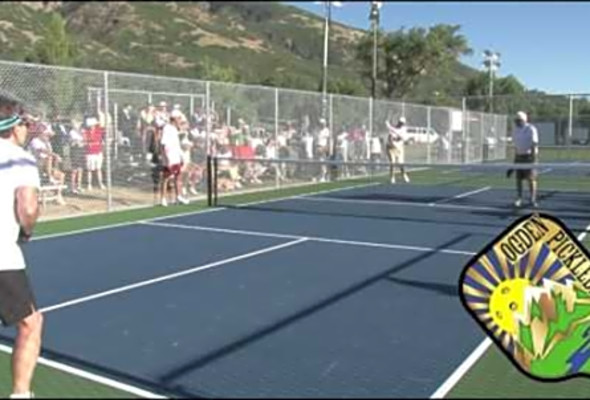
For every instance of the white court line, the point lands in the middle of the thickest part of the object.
(92, 377)
(475, 355)
(120, 225)
(170, 276)
(461, 195)
(190, 213)
(405, 203)
(310, 238)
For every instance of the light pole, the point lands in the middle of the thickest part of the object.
(374, 18)
(328, 17)
(491, 61)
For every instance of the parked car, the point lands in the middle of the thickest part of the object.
(417, 134)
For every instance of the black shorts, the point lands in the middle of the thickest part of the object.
(525, 173)
(16, 297)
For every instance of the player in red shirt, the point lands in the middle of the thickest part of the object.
(93, 137)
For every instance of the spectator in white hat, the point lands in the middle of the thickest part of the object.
(395, 147)
(526, 150)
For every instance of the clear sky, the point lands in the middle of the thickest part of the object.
(546, 45)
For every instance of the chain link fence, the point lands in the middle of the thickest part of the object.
(98, 138)
(562, 121)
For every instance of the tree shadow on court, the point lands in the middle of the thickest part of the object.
(260, 334)
(413, 217)
(410, 197)
(439, 288)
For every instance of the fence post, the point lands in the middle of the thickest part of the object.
(571, 122)
(331, 121)
(428, 130)
(108, 142)
(278, 169)
(482, 144)
(207, 118)
(465, 150)
(116, 128)
(450, 138)
(371, 115)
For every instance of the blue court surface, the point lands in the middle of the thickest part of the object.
(338, 294)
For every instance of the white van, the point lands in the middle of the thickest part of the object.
(417, 134)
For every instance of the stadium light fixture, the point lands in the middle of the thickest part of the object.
(374, 18)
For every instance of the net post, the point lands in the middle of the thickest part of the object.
(209, 181)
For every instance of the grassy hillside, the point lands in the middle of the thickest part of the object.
(258, 42)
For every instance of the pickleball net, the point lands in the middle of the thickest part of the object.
(367, 186)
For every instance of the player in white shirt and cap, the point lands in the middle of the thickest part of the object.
(526, 150)
(19, 210)
(395, 147)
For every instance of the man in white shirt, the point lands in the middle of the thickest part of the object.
(173, 158)
(19, 210)
(526, 150)
(396, 148)
(324, 148)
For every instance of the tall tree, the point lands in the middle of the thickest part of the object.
(57, 48)
(408, 55)
(508, 93)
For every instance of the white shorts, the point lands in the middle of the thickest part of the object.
(93, 162)
(396, 155)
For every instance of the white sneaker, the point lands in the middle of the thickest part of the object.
(164, 203)
(193, 191)
(182, 200)
(28, 395)
(392, 180)
(406, 178)
(518, 203)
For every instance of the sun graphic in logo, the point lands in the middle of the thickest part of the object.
(506, 301)
(495, 290)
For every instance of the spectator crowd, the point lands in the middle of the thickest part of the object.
(170, 146)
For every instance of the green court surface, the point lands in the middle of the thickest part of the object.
(492, 376)
(50, 382)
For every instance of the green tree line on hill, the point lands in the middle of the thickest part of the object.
(416, 63)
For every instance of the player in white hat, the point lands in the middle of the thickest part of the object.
(396, 148)
(526, 150)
